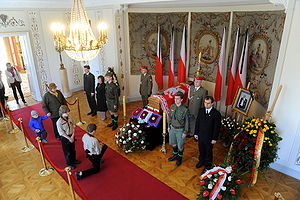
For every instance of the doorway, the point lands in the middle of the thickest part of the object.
(15, 48)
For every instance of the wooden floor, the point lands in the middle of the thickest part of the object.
(19, 177)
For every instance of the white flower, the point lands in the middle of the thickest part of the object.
(120, 140)
(210, 186)
(223, 188)
(128, 124)
(129, 138)
(138, 126)
(209, 176)
(129, 131)
(140, 131)
(132, 125)
(134, 135)
(142, 142)
(215, 179)
(116, 136)
(229, 178)
(117, 141)
(124, 142)
(123, 129)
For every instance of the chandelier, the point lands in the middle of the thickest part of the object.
(81, 45)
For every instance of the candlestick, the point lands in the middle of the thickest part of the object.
(200, 54)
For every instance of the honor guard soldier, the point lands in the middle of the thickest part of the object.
(112, 99)
(146, 85)
(196, 98)
(178, 127)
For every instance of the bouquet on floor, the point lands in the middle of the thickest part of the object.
(256, 142)
(228, 130)
(220, 182)
(131, 137)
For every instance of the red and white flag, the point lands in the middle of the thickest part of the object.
(171, 61)
(182, 61)
(240, 80)
(221, 70)
(232, 75)
(158, 68)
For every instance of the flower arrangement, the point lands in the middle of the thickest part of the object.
(131, 137)
(228, 130)
(245, 143)
(220, 182)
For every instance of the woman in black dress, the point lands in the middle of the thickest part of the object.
(101, 100)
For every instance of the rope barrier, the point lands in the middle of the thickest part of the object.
(79, 188)
(3, 109)
(14, 130)
(71, 104)
(49, 160)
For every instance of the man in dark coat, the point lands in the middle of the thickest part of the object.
(145, 85)
(89, 89)
(207, 130)
(52, 101)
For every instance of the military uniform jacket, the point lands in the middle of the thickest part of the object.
(196, 99)
(178, 117)
(111, 94)
(208, 125)
(146, 85)
(89, 83)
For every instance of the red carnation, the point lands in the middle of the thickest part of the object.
(202, 182)
(232, 191)
(238, 181)
(219, 196)
(205, 193)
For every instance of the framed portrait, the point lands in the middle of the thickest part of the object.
(208, 43)
(242, 101)
(150, 43)
(259, 53)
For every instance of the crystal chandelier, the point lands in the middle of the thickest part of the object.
(81, 45)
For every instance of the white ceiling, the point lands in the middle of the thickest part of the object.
(130, 3)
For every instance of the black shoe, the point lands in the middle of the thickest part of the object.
(110, 125)
(78, 177)
(199, 164)
(90, 113)
(17, 102)
(173, 158)
(179, 161)
(94, 114)
(71, 167)
(115, 126)
(24, 101)
(77, 162)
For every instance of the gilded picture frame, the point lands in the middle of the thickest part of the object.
(208, 43)
(259, 53)
(242, 101)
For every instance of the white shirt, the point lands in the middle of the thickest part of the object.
(207, 111)
(91, 144)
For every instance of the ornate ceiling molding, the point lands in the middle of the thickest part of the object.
(5, 21)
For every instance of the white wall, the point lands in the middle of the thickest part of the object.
(286, 113)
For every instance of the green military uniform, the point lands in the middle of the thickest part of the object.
(146, 87)
(196, 101)
(112, 97)
(178, 125)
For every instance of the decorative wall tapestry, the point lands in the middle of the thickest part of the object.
(143, 38)
(206, 33)
(265, 31)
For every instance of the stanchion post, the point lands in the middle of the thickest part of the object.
(5, 118)
(124, 108)
(46, 170)
(80, 123)
(13, 129)
(163, 148)
(67, 169)
(27, 147)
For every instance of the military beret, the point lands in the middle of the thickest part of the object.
(144, 67)
(199, 78)
(109, 73)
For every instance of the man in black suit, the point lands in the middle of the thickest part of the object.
(207, 129)
(89, 89)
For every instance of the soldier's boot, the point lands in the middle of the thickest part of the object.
(115, 125)
(175, 155)
(179, 160)
(112, 121)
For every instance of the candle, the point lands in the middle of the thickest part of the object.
(124, 106)
(164, 122)
(200, 54)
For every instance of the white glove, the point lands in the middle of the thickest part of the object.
(196, 137)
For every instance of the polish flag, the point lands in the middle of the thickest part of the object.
(221, 70)
(232, 75)
(158, 68)
(240, 79)
(182, 61)
(171, 61)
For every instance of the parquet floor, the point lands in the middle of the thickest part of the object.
(19, 179)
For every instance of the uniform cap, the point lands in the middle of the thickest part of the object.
(144, 67)
(108, 73)
(199, 78)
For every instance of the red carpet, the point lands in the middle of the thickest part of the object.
(118, 179)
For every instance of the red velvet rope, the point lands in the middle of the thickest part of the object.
(79, 188)
(48, 158)
(71, 104)
(4, 110)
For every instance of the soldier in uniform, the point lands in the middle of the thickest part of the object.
(112, 99)
(178, 127)
(196, 101)
(146, 85)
